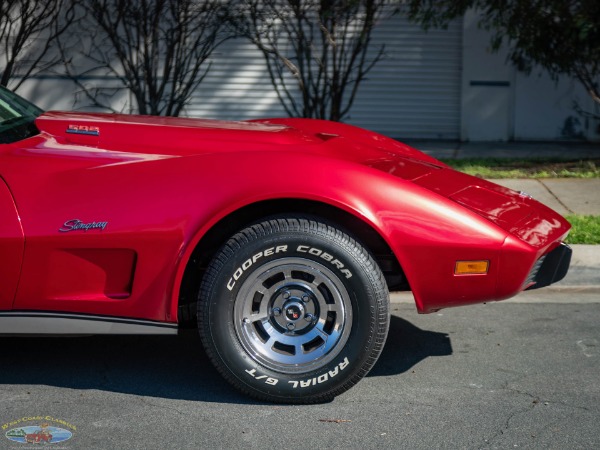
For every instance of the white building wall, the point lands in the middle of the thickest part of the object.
(487, 88)
(545, 109)
(441, 84)
(499, 103)
(51, 92)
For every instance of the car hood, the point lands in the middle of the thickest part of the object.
(109, 139)
(170, 136)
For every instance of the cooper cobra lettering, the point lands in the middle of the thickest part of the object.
(327, 257)
(250, 261)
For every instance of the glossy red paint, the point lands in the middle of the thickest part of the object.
(160, 184)
(11, 247)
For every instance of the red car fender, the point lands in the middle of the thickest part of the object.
(406, 216)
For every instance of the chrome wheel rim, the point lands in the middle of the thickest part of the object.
(293, 315)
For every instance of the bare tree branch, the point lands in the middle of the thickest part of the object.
(321, 45)
(158, 49)
(29, 30)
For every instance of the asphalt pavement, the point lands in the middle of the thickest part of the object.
(497, 376)
(528, 426)
(521, 373)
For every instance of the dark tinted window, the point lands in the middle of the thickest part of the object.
(17, 117)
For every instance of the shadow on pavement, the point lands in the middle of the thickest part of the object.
(157, 366)
(406, 345)
(167, 367)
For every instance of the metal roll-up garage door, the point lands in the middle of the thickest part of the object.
(413, 92)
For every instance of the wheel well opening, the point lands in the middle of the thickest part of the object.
(244, 217)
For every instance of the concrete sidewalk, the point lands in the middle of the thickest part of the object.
(460, 150)
(564, 195)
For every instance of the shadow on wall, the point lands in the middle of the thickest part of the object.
(59, 93)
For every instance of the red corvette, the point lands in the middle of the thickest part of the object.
(281, 237)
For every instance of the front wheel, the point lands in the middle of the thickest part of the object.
(293, 310)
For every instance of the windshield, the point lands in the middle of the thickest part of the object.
(17, 117)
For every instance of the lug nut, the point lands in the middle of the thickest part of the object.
(286, 295)
(290, 326)
(305, 298)
(276, 311)
(309, 317)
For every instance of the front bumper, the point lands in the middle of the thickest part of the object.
(550, 268)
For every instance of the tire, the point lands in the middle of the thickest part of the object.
(293, 311)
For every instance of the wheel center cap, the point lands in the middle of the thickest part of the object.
(294, 311)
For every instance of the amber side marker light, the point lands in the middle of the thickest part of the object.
(471, 267)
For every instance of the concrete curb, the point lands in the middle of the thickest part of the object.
(585, 268)
(586, 255)
(570, 296)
